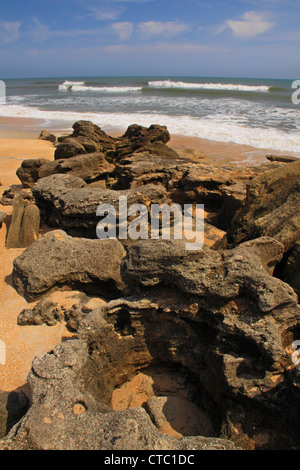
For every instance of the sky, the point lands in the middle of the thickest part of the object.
(205, 38)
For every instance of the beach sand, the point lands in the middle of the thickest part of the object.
(19, 141)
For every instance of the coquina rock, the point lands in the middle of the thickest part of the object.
(74, 208)
(219, 318)
(56, 259)
(272, 208)
(28, 171)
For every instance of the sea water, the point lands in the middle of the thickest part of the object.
(257, 112)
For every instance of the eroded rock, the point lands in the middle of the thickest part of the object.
(57, 259)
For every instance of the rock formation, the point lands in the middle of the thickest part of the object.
(185, 350)
(57, 259)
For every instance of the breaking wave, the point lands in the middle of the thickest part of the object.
(168, 84)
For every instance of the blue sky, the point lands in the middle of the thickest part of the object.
(229, 38)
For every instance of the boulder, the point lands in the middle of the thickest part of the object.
(30, 226)
(46, 135)
(9, 194)
(221, 188)
(68, 148)
(150, 263)
(144, 168)
(271, 208)
(74, 209)
(13, 236)
(28, 171)
(86, 138)
(281, 158)
(89, 167)
(56, 259)
(221, 320)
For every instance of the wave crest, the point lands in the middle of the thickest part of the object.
(208, 86)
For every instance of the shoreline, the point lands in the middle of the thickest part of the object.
(19, 140)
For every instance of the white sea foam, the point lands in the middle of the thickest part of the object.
(207, 86)
(221, 128)
(80, 86)
(67, 85)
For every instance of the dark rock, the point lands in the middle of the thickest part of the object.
(74, 209)
(140, 134)
(138, 139)
(46, 135)
(221, 188)
(271, 208)
(89, 138)
(45, 311)
(280, 158)
(291, 269)
(28, 171)
(13, 406)
(13, 236)
(30, 226)
(144, 168)
(220, 317)
(206, 272)
(9, 194)
(65, 415)
(89, 167)
(86, 138)
(68, 148)
(57, 259)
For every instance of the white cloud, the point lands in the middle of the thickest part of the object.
(40, 32)
(251, 24)
(9, 31)
(123, 29)
(159, 28)
(105, 14)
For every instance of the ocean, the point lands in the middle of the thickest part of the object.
(256, 112)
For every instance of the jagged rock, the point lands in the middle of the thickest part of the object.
(271, 208)
(144, 168)
(68, 148)
(30, 226)
(57, 259)
(138, 139)
(28, 171)
(140, 134)
(9, 194)
(13, 406)
(222, 275)
(74, 209)
(13, 236)
(65, 415)
(86, 138)
(89, 138)
(45, 311)
(46, 135)
(89, 167)
(220, 318)
(222, 188)
(50, 312)
(291, 269)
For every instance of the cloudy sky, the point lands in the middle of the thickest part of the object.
(222, 38)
